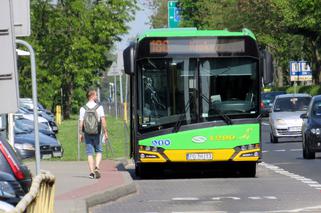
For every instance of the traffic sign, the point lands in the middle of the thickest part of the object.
(9, 88)
(173, 14)
(300, 71)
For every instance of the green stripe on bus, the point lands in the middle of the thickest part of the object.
(218, 137)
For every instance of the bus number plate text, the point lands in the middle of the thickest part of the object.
(199, 156)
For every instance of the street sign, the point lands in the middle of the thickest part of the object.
(114, 71)
(300, 71)
(21, 17)
(9, 89)
(173, 14)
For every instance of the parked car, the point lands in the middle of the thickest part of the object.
(28, 125)
(30, 117)
(51, 121)
(10, 163)
(311, 129)
(10, 189)
(24, 142)
(285, 118)
(267, 99)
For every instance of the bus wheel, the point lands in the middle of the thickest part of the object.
(248, 170)
(137, 170)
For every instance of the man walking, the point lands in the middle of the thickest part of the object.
(92, 119)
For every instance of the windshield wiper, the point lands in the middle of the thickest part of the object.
(181, 117)
(224, 117)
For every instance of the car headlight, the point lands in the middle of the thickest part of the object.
(6, 190)
(25, 146)
(316, 131)
(280, 122)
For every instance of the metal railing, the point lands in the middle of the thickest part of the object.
(41, 196)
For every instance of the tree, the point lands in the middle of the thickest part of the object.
(159, 18)
(72, 40)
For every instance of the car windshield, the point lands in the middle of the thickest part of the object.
(28, 126)
(270, 96)
(285, 104)
(316, 109)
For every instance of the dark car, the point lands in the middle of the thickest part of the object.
(267, 99)
(10, 163)
(311, 129)
(41, 113)
(28, 125)
(24, 142)
(10, 189)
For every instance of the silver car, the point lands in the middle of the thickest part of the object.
(285, 118)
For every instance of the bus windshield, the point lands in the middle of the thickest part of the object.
(228, 86)
(170, 91)
(167, 91)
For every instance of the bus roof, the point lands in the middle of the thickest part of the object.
(191, 32)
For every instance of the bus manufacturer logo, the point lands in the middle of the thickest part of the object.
(161, 142)
(199, 139)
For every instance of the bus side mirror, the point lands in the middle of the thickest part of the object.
(267, 66)
(129, 59)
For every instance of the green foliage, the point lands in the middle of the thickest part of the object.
(311, 89)
(72, 40)
(289, 29)
(68, 138)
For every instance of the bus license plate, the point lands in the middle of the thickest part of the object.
(199, 156)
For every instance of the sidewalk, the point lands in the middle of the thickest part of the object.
(75, 192)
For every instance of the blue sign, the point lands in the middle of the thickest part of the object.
(300, 71)
(161, 142)
(173, 14)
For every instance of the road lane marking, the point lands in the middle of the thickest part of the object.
(315, 185)
(219, 198)
(264, 151)
(254, 198)
(280, 150)
(270, 197)
(308, 181)
(185, 198)
(304, 209)
(295, 150)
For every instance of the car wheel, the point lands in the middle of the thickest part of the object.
(274, 139)
(307, 154)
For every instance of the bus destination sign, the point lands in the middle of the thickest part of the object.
(196, 46)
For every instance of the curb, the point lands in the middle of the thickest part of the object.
(112, 194)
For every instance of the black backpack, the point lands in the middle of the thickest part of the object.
(91, 122)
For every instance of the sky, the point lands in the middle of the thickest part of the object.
(137, 26)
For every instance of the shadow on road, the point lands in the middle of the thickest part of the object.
(189, 173)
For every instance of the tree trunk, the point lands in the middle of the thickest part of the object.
(316, 63)
(279, 76)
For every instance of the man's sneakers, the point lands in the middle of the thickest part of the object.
(92, 176)
(97, 173)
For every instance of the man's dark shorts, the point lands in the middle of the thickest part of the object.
(93, 144)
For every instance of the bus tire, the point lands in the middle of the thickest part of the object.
(248, 170)
(137, 170)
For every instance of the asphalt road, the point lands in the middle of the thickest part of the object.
(285, 182)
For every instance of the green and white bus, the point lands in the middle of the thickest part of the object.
(195, 98)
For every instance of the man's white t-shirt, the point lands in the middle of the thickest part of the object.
(90, 105)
